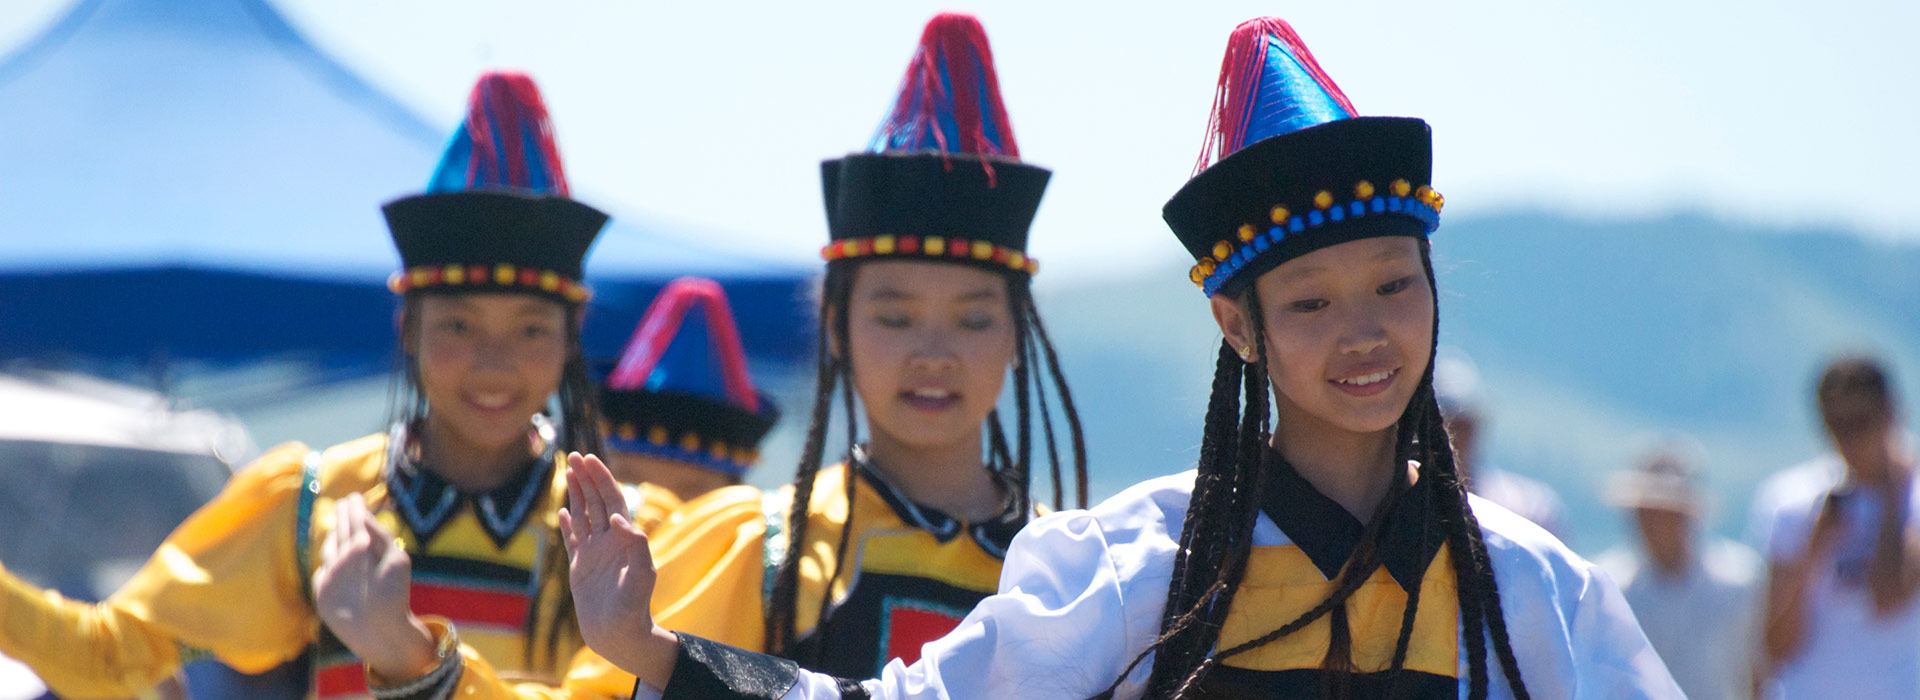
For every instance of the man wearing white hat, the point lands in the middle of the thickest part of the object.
(1456, 386)
(1696, 593)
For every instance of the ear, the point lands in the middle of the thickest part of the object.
(1234, 324)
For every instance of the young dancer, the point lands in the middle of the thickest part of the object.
(925, 313)
(1324, 547)
(423, 562)
(683, 417)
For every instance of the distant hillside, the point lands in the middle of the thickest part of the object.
(1589, 333)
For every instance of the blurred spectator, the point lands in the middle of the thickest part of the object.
(1696, 593)
(1844, 564)
(1456, 383)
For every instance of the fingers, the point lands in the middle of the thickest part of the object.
(566, 533)
(600, 483)
(590, 503)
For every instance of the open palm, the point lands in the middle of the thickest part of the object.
(607, 562)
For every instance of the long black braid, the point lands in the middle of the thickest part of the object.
(1216, 537)
(578, 431)
(833, 371)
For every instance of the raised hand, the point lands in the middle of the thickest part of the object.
(360, 590)
(612, 574)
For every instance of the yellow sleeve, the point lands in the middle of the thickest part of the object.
(225, 582)
(710, 562)
(651, 506)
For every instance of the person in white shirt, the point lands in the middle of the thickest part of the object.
(1843, 551)
(1695, 593)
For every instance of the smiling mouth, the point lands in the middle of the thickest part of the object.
(491, 401)
(930, 400)
(1366, 384)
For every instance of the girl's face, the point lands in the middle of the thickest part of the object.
(1349, 331)
(930, 343)
(488, 362)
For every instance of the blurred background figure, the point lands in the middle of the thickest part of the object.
(682, 412)
(1456, 383)
(1694, 592)
(1844, 564)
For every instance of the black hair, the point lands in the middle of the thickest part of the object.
(1033, 351)
(578, 430)
(1216, 537)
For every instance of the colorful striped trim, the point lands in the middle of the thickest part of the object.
(1229, 257)
(501, 275)
(930, 246)
(690, 447)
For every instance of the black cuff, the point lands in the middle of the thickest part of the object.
(711, 670)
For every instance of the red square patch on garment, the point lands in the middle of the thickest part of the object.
(907, 624)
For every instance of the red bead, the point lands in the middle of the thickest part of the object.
(959, 247)
(477, 274)
(529, 277)
(910, 244)
(1000, 255)
(866, 247)
(434, 276)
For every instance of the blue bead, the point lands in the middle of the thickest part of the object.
(1337, 213)
(1243, 257)
(1261, 243)
(1394, 204)
(1296, 225)
(1314, 218)
(1379, 205)
(1357, 208)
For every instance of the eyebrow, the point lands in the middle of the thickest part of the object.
(895, 294)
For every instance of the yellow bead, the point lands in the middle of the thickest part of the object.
(1206, 267)
(1221, 250)
(1323, 199)
(397, 283)
(1400, 188)
(1033, 266)
(934, 245)
(1364, 190)
(503, 274)
(1280, 214)
(1438, 201)
(718, 450)
(550, 280)
(418, 277)
(657, 435)
(883, 245)
(690, 442)
(1195, 275)
(982, 250)
(455, 274)
(1017, 260)
(1424, 194)
(1247, 232)
(627, 432)
(849, 248)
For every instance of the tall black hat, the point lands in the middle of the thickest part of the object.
(943, 179)
(1296, 169)
(496, 216)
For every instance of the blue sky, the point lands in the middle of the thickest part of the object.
(716, 113)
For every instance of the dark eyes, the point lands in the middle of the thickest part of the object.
(1395, 287)
(1388, 289)
(536, 332)
(977, 323)
(893, 321)
(454, 325)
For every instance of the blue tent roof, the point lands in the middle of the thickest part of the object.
(207, 137)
